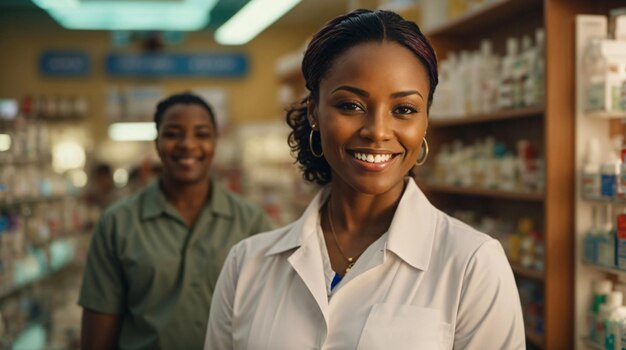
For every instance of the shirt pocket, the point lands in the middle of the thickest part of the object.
(403, 327)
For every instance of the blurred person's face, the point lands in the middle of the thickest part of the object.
(186, 143)
(372, 116)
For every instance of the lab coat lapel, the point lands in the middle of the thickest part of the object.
(307, 259)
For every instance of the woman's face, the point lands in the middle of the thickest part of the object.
(372, 116)
(186, 143)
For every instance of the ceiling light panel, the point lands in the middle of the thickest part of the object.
(174, 15)
(251, 20)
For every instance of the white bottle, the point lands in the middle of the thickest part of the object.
(605, 239)
(523, 76)
(507, 75)
(613, 326)
(613, 301)
(538, 70)
(489, 78)
(590, 179)
(601, 288)
(593, 66)
(464, 80)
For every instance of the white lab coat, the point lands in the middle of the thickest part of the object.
(431, 282)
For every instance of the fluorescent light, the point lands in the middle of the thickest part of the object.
(251, 20)
(133, 131)
(5, 142)
(68, 155)
(174, 15)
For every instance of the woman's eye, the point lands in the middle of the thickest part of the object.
(203, 135)
(349, 106)
(170, 134)
(405, 110)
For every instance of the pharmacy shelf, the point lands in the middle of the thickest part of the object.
(32, 200)
(592, 345)
(10, 290)
(609, 270)
(443, 121)
(27, 161)
(534, 338)
(481, 192)
(484, 17)
(617, 201)
(526, 272)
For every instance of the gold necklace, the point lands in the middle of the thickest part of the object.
(350, 260)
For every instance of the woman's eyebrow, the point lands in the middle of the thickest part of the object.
(406, 93)
(352, 89)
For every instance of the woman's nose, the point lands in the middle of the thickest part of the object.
(377, 126)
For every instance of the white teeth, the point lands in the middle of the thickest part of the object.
(186, 161)
(370, 158)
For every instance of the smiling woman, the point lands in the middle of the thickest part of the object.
(371, 264)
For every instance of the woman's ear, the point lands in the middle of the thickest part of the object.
(311, 114)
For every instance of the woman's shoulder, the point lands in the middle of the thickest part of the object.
(459, 238)
(265, 243)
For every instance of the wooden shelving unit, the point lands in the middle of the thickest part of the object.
(487, 16)
(481, 192)
(592, 345)
(609, 270)
(443, 121)
(535, 339)
(549, 126)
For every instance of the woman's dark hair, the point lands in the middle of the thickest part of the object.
(335, 38)
(183, 98)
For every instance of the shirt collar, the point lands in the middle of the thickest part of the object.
(411, 233)
(303, 228)
(413, 227)
(154, 202)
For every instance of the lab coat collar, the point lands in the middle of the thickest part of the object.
(304, 228)
(413, 227)
(411, 233)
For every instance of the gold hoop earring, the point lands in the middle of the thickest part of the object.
(424, 153)
(316, 155)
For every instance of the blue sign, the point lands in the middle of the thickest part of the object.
(218, 65)
(64, 63)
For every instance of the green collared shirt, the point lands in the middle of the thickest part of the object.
(147, 265)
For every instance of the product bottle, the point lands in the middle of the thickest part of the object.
(538, 69)
(601, 288)
(590, 243)
(507, 75)
(609, 171)
(489, 77)
(606, 239)
(590, 179)
(613, 301)
(594, 68)
(613, 336)
(621, 180)
(523, 76)
(464, 79)
(620, 240)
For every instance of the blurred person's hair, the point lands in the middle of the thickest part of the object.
(182, 98)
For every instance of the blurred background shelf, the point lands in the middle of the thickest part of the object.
(481, 192)
(487, 16)
(443, 121)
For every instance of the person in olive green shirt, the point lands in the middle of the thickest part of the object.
(155, 256)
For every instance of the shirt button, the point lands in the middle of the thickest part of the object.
(199, 324)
